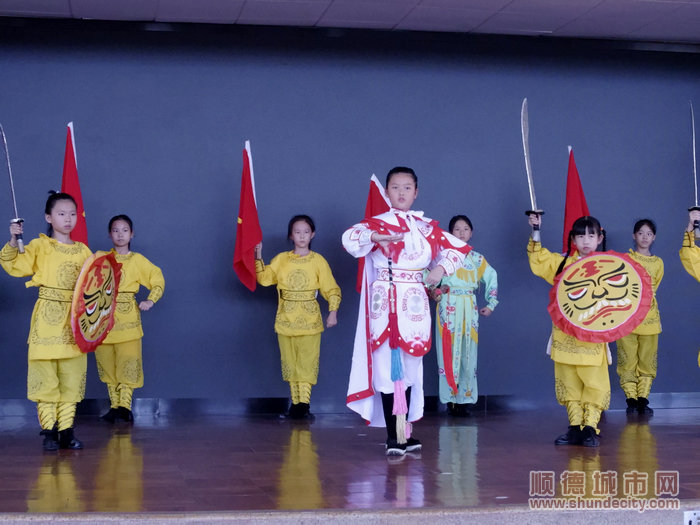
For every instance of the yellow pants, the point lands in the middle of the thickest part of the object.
(636, 363)
(57, 380)
(120, 366)
(584, 391)
(300, 355)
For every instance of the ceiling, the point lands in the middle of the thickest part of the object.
(675, 21)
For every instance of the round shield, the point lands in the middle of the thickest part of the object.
(601, 298)
(94, 301)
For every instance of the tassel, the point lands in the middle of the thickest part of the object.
(447, 358)
(396, 366)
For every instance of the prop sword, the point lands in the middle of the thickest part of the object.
(20, 240)
(696, 224)
(534, 210)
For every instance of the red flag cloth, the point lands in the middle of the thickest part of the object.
(71, 185)
(377, 203)
(248, 232)
(575, 199)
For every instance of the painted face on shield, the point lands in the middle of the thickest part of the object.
(599, 294)
(94, 302)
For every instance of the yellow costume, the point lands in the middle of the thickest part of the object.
(690, 259)
(298, 322)
(581, 377)
(119, 362)
(637, 352)
(56, 367)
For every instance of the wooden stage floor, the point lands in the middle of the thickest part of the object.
(240, 464)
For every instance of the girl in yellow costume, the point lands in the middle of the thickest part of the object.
(56, 367)
(299, 275)
(581, 378)
(637, 352)
(119, 362)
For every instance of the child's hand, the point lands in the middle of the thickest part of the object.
(692, 217)
(435, 276)
(485, 311)
(332, 319)
(15, 229)
(384, 240)
(534, 219)
(258, 251)
(146, 305)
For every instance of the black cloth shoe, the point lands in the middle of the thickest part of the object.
(631, 405)
(572, 436)
(413, 445)
(394, 449)
(50, 443)
(67, 440)
(294, 411)
(589, 437)
(110, 416)
(125, 414)
(643, 407)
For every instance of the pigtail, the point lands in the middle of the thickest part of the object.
(566, 256)
(605, 238)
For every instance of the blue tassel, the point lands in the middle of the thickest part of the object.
(396, 368)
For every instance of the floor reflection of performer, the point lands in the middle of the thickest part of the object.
(299, 484)
(457, 462)
(637, 453)
(119, 480)
(56, 489)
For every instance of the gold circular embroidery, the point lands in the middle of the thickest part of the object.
(298, 280)
(53, 312)
(67, 274)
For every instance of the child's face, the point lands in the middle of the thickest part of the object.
(644, 237)
(120, 233)
(401, 191)
(302, 234)
(462, 231)
(63, 216)
(588, 242)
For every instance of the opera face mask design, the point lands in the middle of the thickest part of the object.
(94, 301)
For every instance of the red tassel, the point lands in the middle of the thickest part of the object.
(447, 358)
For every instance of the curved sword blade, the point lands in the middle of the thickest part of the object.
(695, 164)
(9, 171)
(525, 129)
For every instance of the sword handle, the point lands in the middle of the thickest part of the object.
(535, 227)
(18, 237)
(696, 224)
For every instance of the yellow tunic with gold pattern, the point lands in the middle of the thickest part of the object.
(54, 268)
(137, 271)
(690, 255)
(298, 279)
(565, 348)
(655, 268)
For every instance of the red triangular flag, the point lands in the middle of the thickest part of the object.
(377, 202)
(248, 232)
(575, 199)
(71, 185)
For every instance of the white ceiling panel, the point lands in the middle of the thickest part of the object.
(376, 14)
(283, 12)
(487, 5)
(424, 18)
(36, 8)
(203, 11)
(683, 24)
(115, 9)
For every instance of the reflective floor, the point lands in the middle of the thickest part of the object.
(230, 463)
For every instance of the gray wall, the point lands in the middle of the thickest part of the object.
(161, 117)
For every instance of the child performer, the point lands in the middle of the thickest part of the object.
(581, 378)
(56, 367)
(393, 327)
(690, 253)
(299, 275)
(636, 352)
(456, 307)
(119, 362)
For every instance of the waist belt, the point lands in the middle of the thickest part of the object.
(400, 276)
(298, 295)
(125, 297)
(461, 291)
(56, 294)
